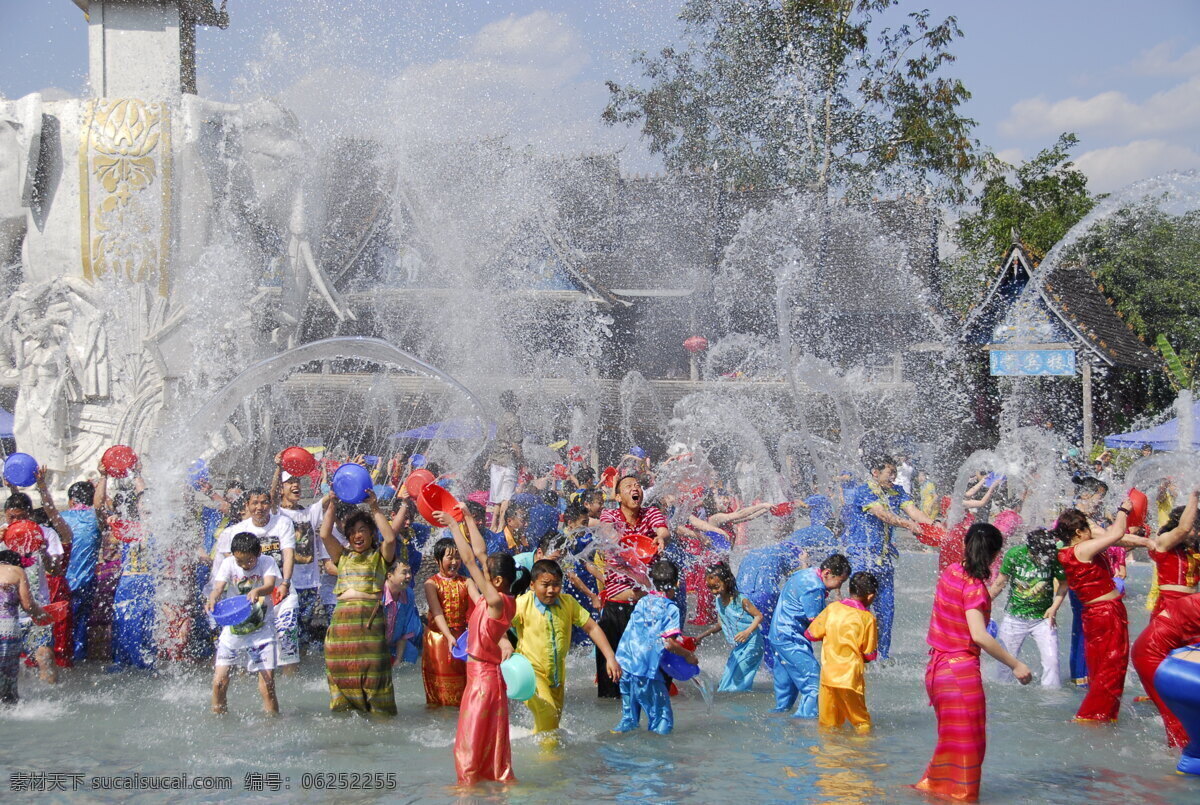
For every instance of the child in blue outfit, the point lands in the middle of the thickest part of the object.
(653, 627)
(740, 620)
(797, 672)
(404, 629)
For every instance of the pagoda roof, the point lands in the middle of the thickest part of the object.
(1065, 305)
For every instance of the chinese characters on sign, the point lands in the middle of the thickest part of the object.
(1033, 362)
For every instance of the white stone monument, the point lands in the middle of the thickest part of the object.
(110, 204)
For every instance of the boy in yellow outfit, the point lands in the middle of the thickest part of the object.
(849, 641)
(543, 622)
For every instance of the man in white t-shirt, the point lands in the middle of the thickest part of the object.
(311, 619)
(316, 514)
(277, 538)
(252, 574)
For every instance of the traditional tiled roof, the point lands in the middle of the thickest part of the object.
(1070, 295)
(1073, 294)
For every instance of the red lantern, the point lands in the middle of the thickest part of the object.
(697, 343)
(118, 460)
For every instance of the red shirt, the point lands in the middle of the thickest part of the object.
(1088, 580)
(649, 519)
(956, 593)
(1179, 566)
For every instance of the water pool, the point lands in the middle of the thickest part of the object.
(101, 725)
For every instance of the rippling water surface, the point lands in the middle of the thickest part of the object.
(121, 724)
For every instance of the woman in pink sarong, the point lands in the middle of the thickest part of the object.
(957, 633)
(482, 750)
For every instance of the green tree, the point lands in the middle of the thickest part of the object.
(806, 93)
(1041, 199)
(1146, 260)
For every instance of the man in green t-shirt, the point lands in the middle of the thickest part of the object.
(1038, 588)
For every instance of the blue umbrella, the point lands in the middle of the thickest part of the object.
(461, 428)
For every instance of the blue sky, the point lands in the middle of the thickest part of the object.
(1125, 77)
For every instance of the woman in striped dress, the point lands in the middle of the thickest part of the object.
(957, 632)
(358, 664)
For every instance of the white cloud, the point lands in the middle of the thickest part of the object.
(1160, 60)
(521, 77)
(1110, 113)
(56, 94)
(1013, 156)
(1110, 169)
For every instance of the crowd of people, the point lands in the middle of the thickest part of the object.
(545, 560)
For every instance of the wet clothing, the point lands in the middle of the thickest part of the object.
(956, 593)
(544, 638)
(871, 547)
(759, 577)
(482, 750)
(1176, 624)
(639, 655)
(1031, 586)
(10, 643)
(955, 688)
(849, 640)
(81, 574)
(358, 665)
(744, 658)
(133, 604)
(404, 627)
(797, 672)
(645, 694)
(1105, 627)
(1179, 566)
(614, 617)
(445, 677)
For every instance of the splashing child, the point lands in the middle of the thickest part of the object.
(740, 620)
(252, 641)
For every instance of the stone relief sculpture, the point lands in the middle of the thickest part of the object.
(106, 204)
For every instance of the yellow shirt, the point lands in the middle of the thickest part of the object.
(544, 633)
(847, 634)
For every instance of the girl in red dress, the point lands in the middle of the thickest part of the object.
(1105, 622)
(1176, 554)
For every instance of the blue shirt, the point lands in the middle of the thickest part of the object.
(495, 542)
(866, 535)
(800, 601)
(543, 520)
(85, 546)
(641, 647)
(762, 570)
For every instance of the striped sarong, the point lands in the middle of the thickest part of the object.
(956, 693)
(358, 665)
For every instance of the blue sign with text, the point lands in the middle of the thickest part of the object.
(1033, 362)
